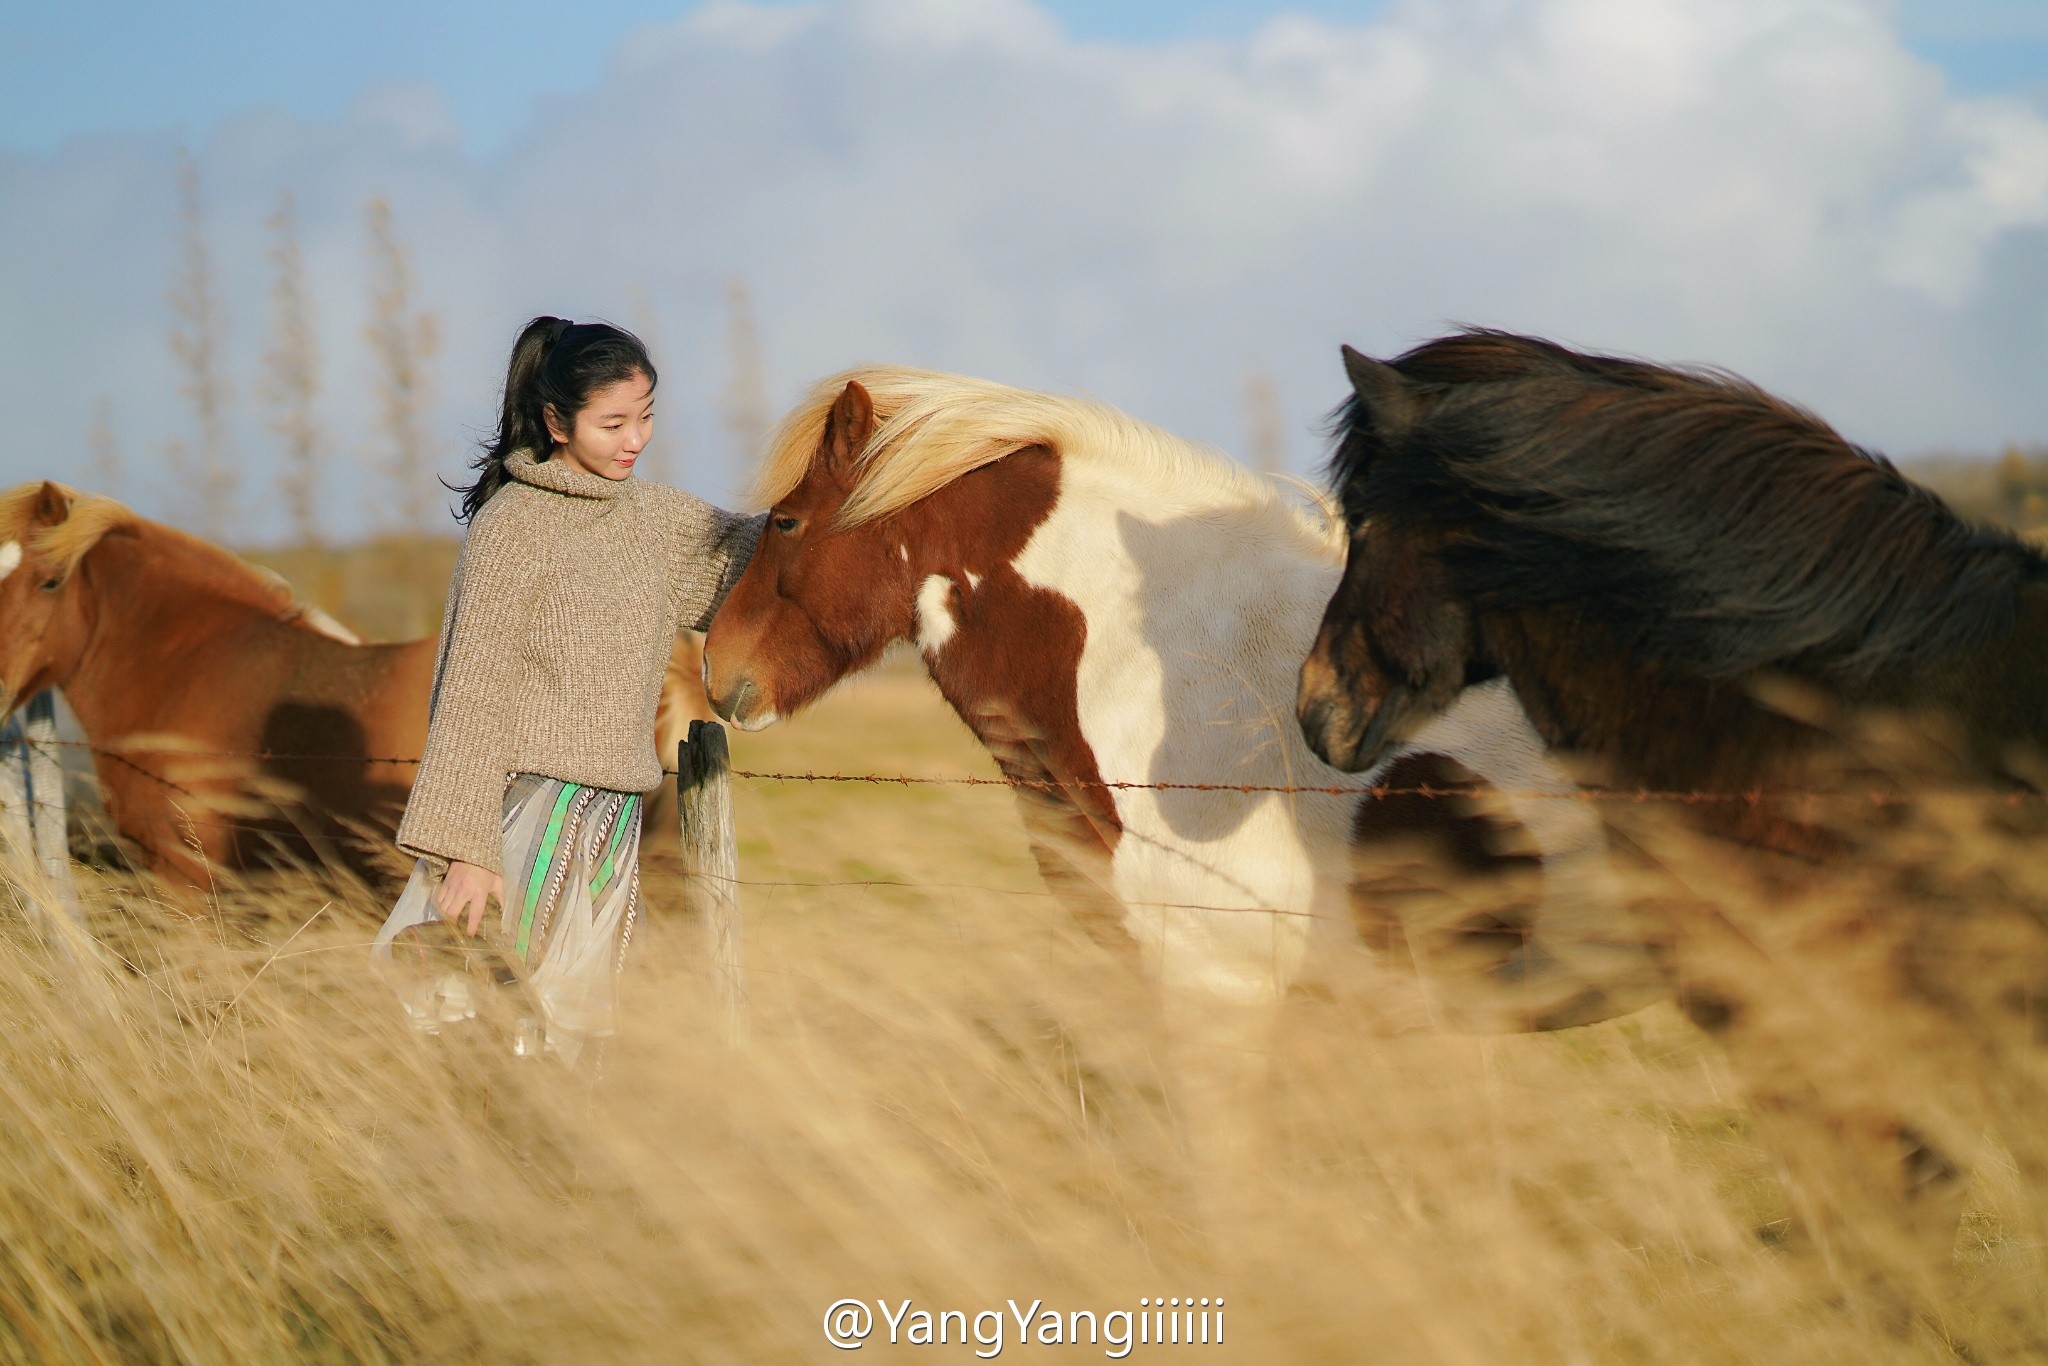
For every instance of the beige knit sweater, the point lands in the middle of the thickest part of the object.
(563, 611)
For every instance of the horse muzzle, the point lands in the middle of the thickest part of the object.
(1333, 721)
(745, 706)
(1333, 731)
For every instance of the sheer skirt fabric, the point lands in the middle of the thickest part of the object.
(572, 897)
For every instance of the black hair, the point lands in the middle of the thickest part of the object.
(555, 364)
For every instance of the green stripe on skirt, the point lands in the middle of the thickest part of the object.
(572, 896)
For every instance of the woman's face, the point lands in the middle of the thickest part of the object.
(611, 429)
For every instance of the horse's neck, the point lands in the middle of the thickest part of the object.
(2029, 646)
(1196, 618)
(1587, 691)
(158, 609)
(2001, 693)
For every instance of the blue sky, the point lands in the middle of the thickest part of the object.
(1151, 203)
(70, 67)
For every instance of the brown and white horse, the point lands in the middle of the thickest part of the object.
(1119, 616)
(230, 724)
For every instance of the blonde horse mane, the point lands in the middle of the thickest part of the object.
(91, 517)
(932, 428)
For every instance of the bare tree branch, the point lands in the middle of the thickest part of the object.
(291, 383)
(197, 340)
(745, 408)
(403, 340)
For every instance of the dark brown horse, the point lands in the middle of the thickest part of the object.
(231, 726)
(1649, 555)
(1692, 586)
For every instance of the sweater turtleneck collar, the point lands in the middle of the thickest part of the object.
(560, 476)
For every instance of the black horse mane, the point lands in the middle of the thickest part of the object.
(1711, 526)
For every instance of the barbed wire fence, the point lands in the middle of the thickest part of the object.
(1427, 791)
(33, 817)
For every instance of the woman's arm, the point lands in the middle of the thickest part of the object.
(458, 794)
(711, 548)
(731, 549)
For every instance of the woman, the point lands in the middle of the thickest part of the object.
(572, 583)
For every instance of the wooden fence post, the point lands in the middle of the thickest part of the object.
(32, 810)
(46, 789)
(711, 864)
(17, 813)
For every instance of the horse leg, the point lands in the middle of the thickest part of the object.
(1556, 947)
(182, 865)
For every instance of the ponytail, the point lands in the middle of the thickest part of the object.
(556, 364)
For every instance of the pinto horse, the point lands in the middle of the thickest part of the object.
(1117, 615)
(1693, 586)
(231, 726)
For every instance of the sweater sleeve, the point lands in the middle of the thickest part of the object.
(458, 794)
(714, 546)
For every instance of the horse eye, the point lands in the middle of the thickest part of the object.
(50, 585)
(786, 524)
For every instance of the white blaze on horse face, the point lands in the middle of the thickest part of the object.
(10, 558)
(973, 579)
(935, 624)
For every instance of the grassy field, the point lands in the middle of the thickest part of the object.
(223, 1144)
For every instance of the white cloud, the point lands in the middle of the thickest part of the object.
(1778, 186)
(416, 112)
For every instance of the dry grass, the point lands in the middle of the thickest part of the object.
(222, 1143)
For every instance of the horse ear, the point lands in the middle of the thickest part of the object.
(52, 505)
(847, 429)
(1385, 394)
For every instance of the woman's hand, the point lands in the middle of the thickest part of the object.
(466, 888)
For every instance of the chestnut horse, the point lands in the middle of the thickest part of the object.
(228, 726)
(1118, 615)
(231, 726)
(1690, 584)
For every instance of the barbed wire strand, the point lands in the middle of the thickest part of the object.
(1425, 791)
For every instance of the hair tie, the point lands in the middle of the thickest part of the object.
(557, 330)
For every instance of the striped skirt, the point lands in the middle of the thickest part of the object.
(572, 895)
